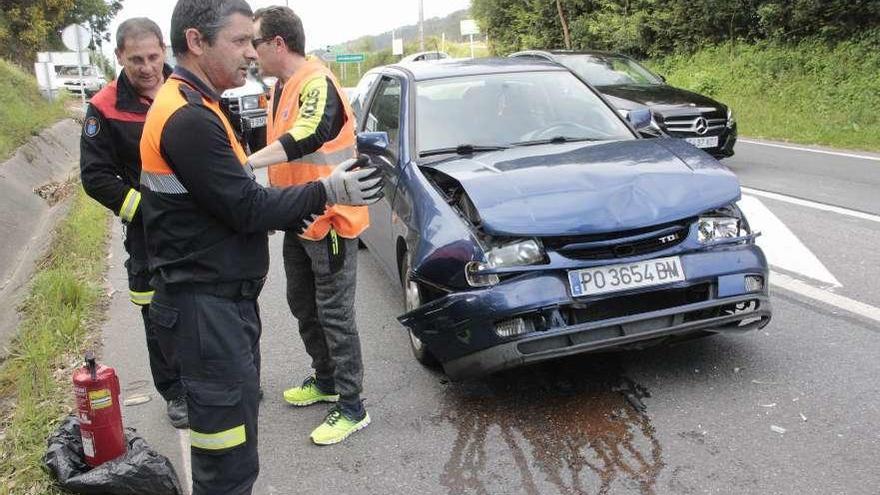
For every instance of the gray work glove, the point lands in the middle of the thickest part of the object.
(354, 182)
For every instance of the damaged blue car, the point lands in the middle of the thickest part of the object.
(525, 220)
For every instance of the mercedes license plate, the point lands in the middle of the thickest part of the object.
(703, 142)
(258, 122)
(613, 278)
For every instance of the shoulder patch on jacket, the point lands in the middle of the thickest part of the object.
(91, 127)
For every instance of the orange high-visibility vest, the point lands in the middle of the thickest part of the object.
(347, 221)
(169, 99)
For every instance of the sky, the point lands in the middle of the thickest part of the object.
(326, 22)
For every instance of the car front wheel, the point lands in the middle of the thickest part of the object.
(412, 300)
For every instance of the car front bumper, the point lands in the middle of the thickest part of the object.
(459, 328)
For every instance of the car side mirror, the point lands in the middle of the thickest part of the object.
(373, 143)
(639, 118)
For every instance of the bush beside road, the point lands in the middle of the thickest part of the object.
(811, 93)
(23, 110)
(64, 304)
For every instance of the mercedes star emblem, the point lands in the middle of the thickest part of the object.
(701, 126)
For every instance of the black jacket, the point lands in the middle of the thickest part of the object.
(110, 157)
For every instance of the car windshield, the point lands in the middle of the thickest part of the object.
(511, 109)
(608, 70)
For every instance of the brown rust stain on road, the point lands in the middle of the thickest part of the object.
(577, 425)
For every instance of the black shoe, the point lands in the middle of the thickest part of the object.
(177, 414)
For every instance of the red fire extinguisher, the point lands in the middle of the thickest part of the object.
(100, 419)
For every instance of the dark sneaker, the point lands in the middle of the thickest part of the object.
(337, 426)
(308, 393)
(177, 414)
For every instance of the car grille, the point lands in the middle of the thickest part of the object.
(620, 244)
(233, 105)
(709, 124)
(629, 304)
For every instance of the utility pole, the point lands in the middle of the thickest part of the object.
(421, 25)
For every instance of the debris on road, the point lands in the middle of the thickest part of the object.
(137, 399)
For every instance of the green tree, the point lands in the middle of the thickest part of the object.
(29, 26)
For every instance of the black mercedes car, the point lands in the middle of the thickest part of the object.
(627, 85)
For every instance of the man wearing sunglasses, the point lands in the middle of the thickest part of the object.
(310, 130)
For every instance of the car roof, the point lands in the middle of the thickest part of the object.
(567, 52)
(439, 69)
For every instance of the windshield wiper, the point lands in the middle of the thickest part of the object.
(462, 149)
(553, 140)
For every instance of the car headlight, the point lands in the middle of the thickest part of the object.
(517, 253)
(250, 102)
(527, 252)
(717, 228)
(730, 119)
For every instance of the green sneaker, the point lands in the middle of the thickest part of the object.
(308, 393)
(337, 427)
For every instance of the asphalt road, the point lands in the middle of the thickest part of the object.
(793, 408)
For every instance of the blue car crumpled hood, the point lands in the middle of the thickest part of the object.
(585, 188)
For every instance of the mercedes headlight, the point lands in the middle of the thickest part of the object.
(718, 228)
(730, 120)
(250, 102)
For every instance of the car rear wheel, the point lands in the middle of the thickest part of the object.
(413, 299)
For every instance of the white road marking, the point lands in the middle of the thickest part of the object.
(812, 204)
(782, 247)
(811, 150)
(183, 436)
(825, 296)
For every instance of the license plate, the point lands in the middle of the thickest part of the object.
(703, 142)
(258, 122)
(613, 278)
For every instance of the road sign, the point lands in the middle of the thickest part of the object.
(397, 46)
(76, 37)
(469, 27)
(350, 58)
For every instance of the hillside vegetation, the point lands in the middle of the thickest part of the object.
(23, 111)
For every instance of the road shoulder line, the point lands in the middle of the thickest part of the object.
(812, 204)
(811, 150)
(825, 296)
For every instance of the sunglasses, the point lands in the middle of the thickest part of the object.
(257, 41)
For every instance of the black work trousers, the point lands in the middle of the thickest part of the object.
(163, 363)
(216, 332)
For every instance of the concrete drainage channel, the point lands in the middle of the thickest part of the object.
(34, 184)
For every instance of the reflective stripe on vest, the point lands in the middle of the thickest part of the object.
(347, 221)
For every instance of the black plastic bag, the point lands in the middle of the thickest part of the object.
(140, 471)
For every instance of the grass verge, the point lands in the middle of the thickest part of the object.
(812, 92)
(23, 110)
(35, 378)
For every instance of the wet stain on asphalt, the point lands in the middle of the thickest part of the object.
(578, 425)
